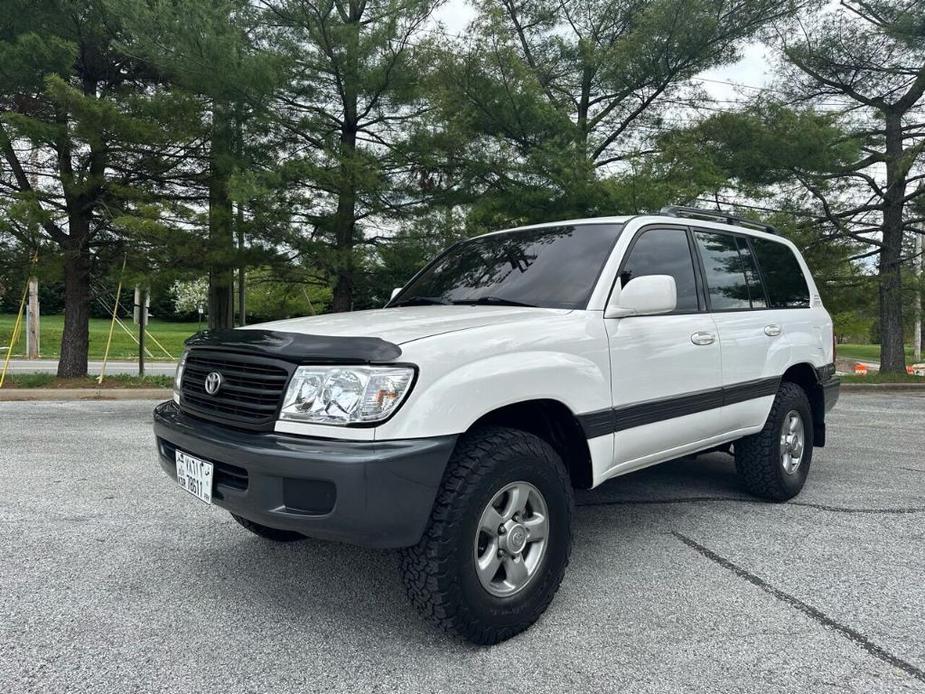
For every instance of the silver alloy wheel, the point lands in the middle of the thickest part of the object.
(511, 539)
(792, 441)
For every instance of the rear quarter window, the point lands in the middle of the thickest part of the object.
(783, 277)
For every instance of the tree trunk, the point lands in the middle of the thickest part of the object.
(917, 305)
(221, 222)
(584, 107)
(892, 356)
(75, 339)
(344, 221)
(220, 309)
(239, 218)
(345, 217)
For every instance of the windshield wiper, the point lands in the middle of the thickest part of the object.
(492, 301)
(420, 301)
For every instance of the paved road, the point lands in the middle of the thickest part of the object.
(50, 366)
(114, 580)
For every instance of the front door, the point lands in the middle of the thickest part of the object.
(666, 369)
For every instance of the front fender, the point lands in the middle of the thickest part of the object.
(452, 401)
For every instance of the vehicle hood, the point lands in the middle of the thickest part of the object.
(407, 323)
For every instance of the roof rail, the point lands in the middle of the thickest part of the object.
(716, 216)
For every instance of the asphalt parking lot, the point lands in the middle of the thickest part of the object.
(112, 579)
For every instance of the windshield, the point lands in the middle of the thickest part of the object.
(551, 267)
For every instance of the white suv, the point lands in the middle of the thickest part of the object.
(455, 422)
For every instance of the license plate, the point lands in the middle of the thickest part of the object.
(195, 476)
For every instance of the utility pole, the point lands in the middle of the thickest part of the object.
(32, 307)
(32, 320)
(141, 318)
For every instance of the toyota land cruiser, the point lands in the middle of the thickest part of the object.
(455, 422)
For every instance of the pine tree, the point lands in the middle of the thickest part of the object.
(212, 53)
(83, 126)
(871, 55)
(351, 111)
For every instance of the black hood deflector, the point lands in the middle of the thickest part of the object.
(298, 348)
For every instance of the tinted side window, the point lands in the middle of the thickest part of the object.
(782, 274)
(752, 276)
(723, 270)
(664, 252)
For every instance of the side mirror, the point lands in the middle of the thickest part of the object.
(395, 293)
(644, 296)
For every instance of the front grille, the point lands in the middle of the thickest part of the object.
(249, 396)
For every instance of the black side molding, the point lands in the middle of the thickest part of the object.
(638, 414)
(298, 348)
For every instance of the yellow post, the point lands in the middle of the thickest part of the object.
(112, 323)
(154, 339)
(9, 352)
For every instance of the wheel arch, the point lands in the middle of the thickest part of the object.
(806, 376)
(552, 421)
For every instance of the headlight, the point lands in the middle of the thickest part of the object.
(345, 395)
(178, 377)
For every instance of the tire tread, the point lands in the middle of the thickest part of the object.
(757, 456)
(427, 569)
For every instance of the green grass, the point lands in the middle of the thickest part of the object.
(877, 377)
(865, 352)
(116, 381)
(170, 335)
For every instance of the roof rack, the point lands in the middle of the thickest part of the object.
(716, 216)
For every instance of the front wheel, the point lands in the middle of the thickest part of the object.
(498, 540)
(774, 463)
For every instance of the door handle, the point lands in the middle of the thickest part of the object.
(772, 330)
(703, 338)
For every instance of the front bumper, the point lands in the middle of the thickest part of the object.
(371, 493)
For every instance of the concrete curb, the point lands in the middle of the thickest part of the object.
(49, 394)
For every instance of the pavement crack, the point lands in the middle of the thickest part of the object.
(845, 509)
(704, 499)
(849, 633)
(675, 500)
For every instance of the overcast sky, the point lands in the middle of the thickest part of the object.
(752, 70)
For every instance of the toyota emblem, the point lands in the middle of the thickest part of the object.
(213, 382)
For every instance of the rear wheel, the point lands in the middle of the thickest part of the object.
(498, 540)
(774, 463)
(268, 533)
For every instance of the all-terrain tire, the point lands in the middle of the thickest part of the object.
(268, 533)
(439, 573)
(758, 457)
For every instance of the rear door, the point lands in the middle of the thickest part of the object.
(755, 351)
(665, 369)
